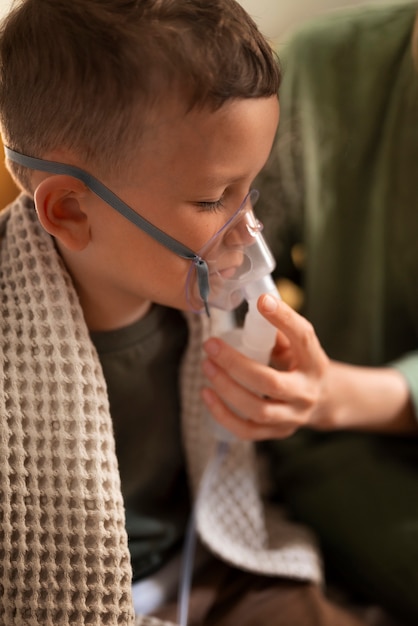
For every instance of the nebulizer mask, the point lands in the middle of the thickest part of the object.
(239, 265)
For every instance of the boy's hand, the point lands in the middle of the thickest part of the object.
(258, 402)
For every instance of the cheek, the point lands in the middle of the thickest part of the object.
(158, 270)
(195, 230)
(146, 266)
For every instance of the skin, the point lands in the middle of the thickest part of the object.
(304, 389)
(186, 165)
(186, 162)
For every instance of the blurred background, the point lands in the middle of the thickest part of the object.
(277, 17)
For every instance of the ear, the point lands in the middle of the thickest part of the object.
(59, 202)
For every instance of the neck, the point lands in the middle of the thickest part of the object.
(106, 319)
(104, 307)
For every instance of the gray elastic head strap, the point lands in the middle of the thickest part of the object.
(53, 167)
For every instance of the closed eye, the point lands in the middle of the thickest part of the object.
(215, 205)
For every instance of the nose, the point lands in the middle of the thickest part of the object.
(243, 233)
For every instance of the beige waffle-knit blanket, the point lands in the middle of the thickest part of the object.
(63, 548)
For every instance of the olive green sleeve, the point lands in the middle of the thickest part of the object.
(407, 365)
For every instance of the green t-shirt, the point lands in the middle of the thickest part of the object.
(141, 368)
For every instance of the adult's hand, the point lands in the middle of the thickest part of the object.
(301, 388)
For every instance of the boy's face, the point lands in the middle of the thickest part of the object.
(192, 172)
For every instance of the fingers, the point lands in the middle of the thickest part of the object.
(257, 392)
(244, 401)
(246, 428)
(295, 327)
(273, 402)
(227, 365)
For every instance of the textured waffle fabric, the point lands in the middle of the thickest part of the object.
(63, 551)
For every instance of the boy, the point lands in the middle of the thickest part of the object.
(173, 107)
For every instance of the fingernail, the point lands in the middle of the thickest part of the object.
(212, 347)
(269, 304)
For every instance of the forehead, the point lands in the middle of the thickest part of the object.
(227, 144)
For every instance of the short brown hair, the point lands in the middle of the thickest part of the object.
(82, 74)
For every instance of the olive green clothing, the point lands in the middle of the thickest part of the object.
(359, 493)
(141, 368)
(343, 181)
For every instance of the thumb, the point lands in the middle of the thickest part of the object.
(298, 330)
(278, 313)
(267, 305)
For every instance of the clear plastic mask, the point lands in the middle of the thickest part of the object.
(236, 256)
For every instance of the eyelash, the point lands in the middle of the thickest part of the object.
(214, 206)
